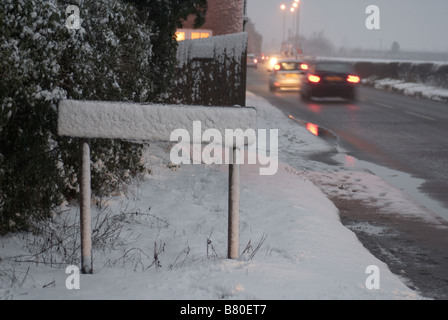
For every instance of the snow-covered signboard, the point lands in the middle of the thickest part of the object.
(152, 122)
(148, 122)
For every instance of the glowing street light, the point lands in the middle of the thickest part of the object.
(283, 7)
(296, 5)
(292, 10)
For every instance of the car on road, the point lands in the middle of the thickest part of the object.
(272, 62)
(329, 79)
(286, 74)
(252, 61)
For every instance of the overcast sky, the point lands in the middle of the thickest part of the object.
(417, 25)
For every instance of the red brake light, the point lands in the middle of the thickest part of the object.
(353, 79)
(304, 66)
(255, 60)
(277, 67)
(313, 78)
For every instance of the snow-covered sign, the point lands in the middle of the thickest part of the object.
(151, 122)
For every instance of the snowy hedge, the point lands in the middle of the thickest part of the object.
(117, 55)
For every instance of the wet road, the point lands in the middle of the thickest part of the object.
(399, 132)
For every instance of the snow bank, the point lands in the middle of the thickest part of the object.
(409, 88)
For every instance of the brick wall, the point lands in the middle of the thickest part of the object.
(223, 17)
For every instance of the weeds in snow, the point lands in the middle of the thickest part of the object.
(56, 242)
(249, 252)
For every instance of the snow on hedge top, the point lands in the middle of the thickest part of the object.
(151, 122)
(215, 47)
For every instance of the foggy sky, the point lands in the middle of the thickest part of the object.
(417, 25)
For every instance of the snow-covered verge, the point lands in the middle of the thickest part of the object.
(167, 237)
(409, 88)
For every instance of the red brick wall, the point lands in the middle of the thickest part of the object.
(223, 17)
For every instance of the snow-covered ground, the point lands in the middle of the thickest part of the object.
(168, 239)
(410, 88)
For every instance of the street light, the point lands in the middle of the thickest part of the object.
(298, 17)
(296, 5)
(295, 10)
(283, 7)
(292, 10)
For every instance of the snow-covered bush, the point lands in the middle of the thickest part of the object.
(29, 90)
(115, 55)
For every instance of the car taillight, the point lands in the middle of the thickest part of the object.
(255, 61)
(277, 67)
(304, 66)
(353, 79)
(314, 79)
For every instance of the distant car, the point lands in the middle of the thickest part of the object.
(329, 79)
(286, 74)
(272, 62)
(263, 58)
(252, 61)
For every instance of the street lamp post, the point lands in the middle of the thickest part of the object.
(298, 18)
(293, 10)
(296, 5)
(283, 7)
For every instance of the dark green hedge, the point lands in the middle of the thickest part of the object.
(123, 52)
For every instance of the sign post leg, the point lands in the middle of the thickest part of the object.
(86, 220)
(234, 207)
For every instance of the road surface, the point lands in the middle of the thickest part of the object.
(396, 133)
(391, 130)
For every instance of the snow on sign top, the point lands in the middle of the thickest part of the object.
(150, 122)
